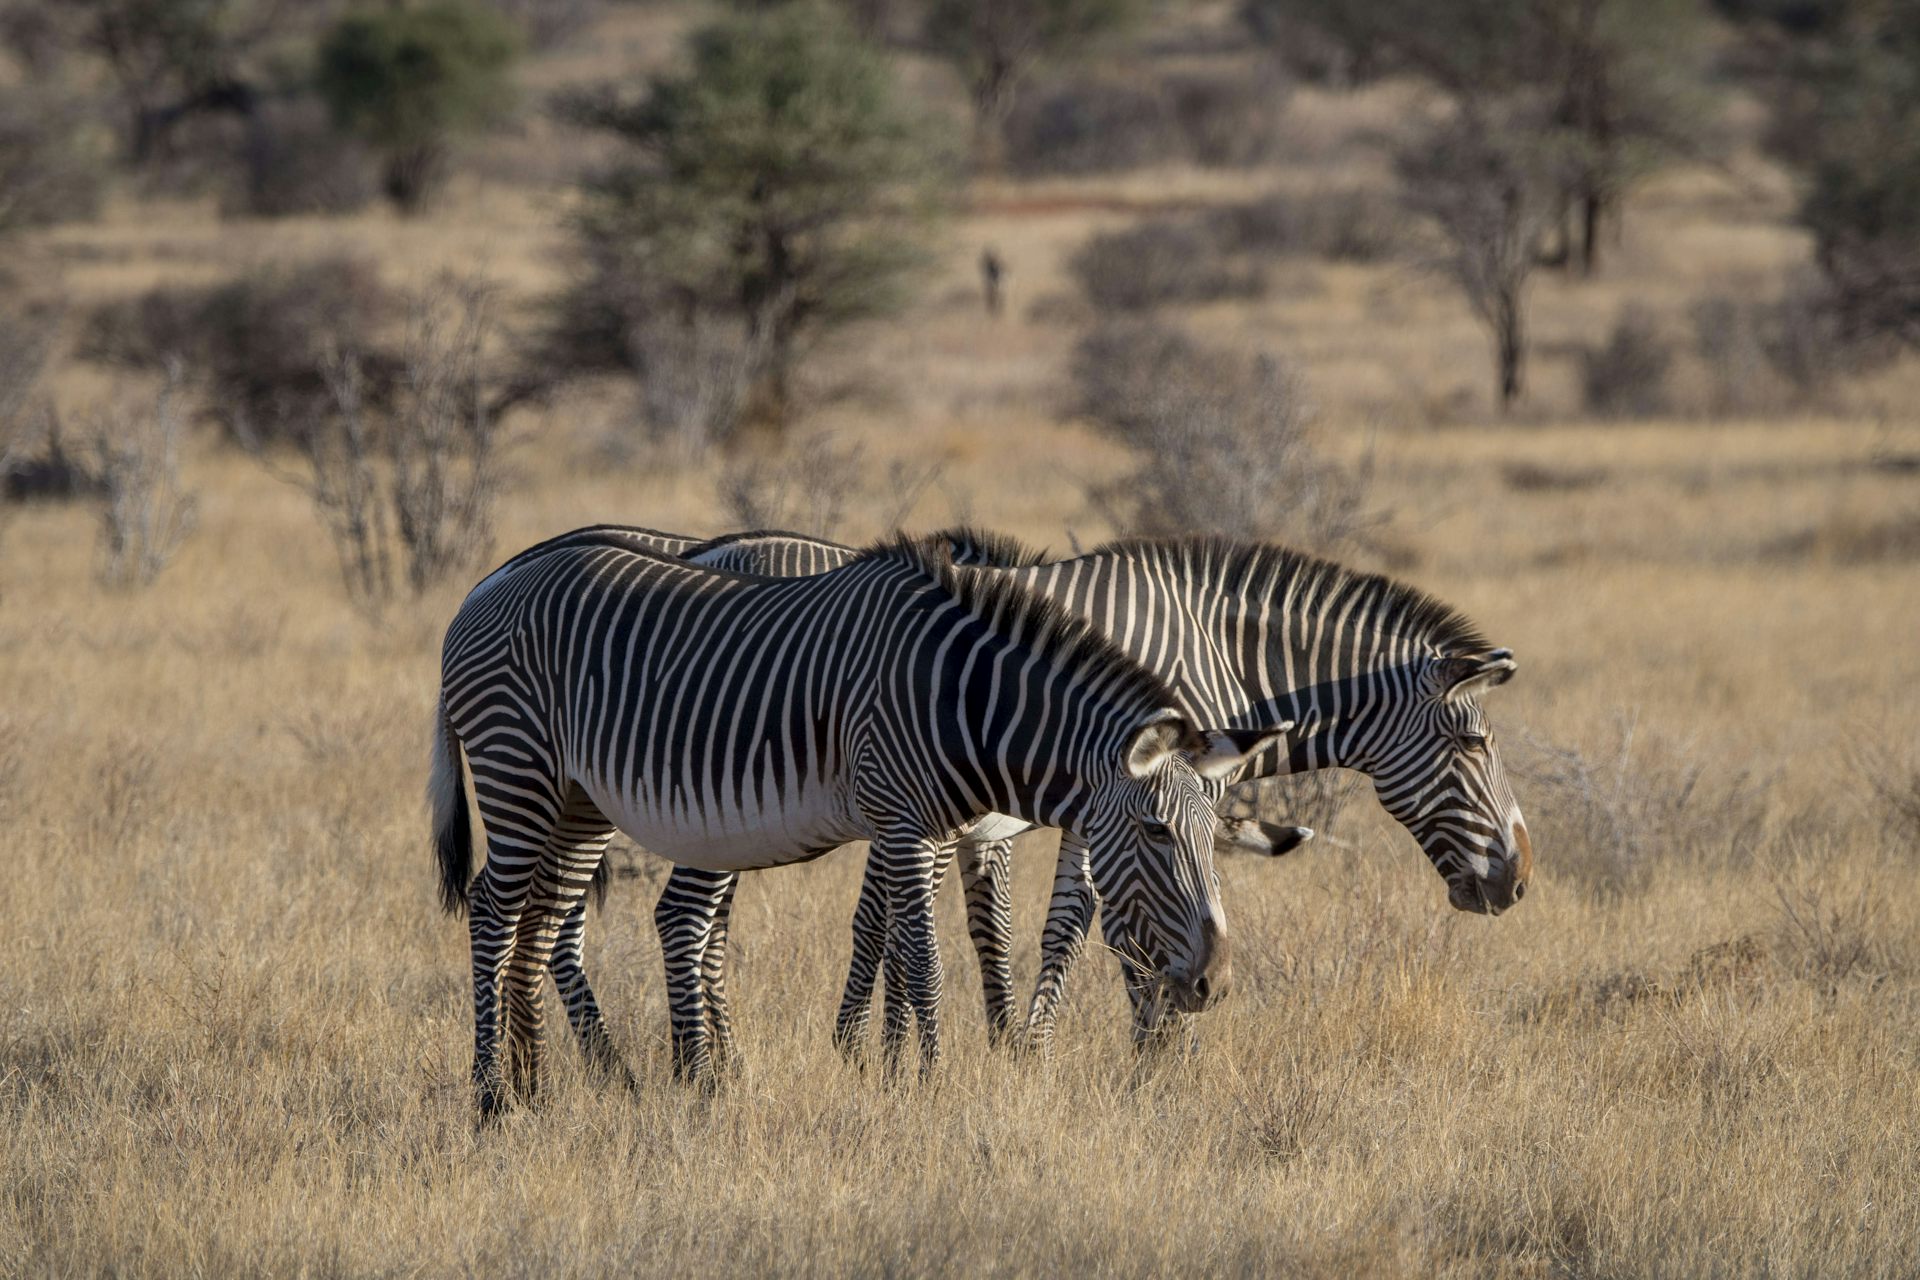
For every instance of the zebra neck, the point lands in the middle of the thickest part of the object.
(1245, 645)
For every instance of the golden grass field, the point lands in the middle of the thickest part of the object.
(235, 1033)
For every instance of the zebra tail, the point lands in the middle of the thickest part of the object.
(452, 825)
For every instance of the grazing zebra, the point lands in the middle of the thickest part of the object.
(732, 722)
(1385, 680)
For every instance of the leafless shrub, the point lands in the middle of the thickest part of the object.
(807, 487)
(1157, 263)
(1850, 538)
(261, 342)
(1536, 477)
(1341, 224)
(1230, 119)
(407, 491)
(1804, 340)
(1627, 376)
(1224, 443)
(693, 383)
(145, 512)
(1829, 932)
(1316, 799)
(1766, 353)
(1092, 124)
(35, 463)
(1292, 1118)
(294, 162)
(1610, 818)
(1893, 783)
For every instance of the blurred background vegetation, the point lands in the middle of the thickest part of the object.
(729, 196)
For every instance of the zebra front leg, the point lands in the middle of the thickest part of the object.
(908, 867)
(1069, 918)
(986, 874)
(603, 1057)
(683, 917)
(869, 949)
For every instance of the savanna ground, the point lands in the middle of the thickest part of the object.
(236, 1031)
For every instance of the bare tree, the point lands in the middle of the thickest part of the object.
(145, 512)
(1223, 444)
(443, 437)
(407, 491)
(807, 488)
(1488, 186)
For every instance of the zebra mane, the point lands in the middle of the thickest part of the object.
(1392, 607)
(1060, 637)
(984, 547)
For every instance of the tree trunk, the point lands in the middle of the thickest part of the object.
(1592, 210)
(992, 103)
(1510, 347)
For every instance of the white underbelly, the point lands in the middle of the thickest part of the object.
(761, 832)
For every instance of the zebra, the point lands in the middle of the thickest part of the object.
(1385, 679)
(733, 722)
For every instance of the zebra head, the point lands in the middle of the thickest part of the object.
(1436, 770)
(1150, 831)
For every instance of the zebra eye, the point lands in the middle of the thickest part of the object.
(1156, 830)
(1473, 742)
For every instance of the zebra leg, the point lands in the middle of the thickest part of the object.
(1069, 917)
(897, 996)
(603, 1057)
(713, 977)
(572, 854)
(683, 917)
(909, 867)
(897, 993)
(986, 874)
(869, 947)
(519, 811)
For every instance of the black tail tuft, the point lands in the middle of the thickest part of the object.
(452, 824)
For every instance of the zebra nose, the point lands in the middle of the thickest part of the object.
(1215, 975)
(1519, 890)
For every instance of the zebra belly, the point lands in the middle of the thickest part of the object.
(732, 836)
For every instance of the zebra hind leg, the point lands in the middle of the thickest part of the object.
(986, 874)
(713, 978)
(567, 865)
(683, 917)
(518, 828)
(910, 868)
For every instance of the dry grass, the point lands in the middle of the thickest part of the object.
(236, 1033)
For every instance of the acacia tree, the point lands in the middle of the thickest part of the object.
(995, 43)
(410, 78)
(1489, 187)
(777, 183)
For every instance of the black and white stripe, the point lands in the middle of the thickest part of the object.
(731, 722)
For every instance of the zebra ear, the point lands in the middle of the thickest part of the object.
(1153, 742)
(1227, 749)
(1462, 675)
(1262, 839)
